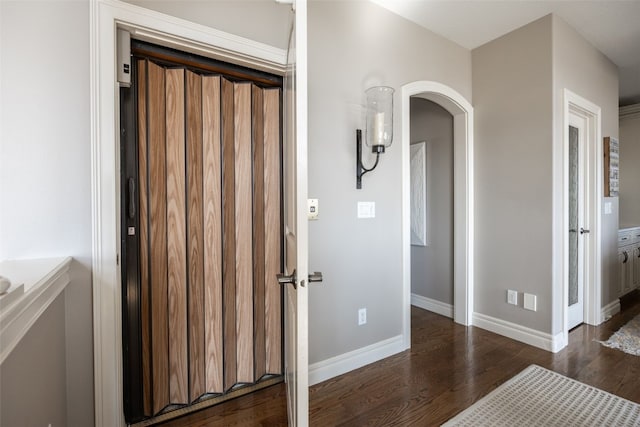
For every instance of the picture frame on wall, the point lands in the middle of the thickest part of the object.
(611, 167)
(419, 198)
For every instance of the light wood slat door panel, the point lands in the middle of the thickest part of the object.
(260, 367)
(212, 201)
(228, 235)
(195, 237)
(158, 237)
(273, 231)
(176, 239)
(244, 238)
(143, 208)
(209, 215)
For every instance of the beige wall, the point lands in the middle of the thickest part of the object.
(585, 71)
(33, 376)
(512, 97)
(630, 171)
(518, 90)
(353, 46)
(265, 21)
(432, 265)
(45, 187)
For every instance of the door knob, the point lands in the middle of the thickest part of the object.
(316, 276)
(583, 231)
(283, 279)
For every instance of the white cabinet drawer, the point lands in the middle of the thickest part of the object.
(625, 238)
(628, 236)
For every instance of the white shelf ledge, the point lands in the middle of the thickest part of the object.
(43, 280)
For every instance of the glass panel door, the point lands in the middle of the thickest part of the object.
(573, 215)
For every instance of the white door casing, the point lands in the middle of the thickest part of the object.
(295, 221)
(590, 114)
(462, 112)
(106, 16)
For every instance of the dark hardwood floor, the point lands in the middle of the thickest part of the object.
(447, 369)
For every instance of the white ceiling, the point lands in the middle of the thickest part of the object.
(612, 26)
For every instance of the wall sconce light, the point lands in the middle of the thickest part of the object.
(379, 128)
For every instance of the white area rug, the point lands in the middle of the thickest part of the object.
(540, 397)
(626, 338)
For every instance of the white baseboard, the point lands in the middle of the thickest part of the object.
(341, 364)
(558, 342)
(543, 340)
(437, 307)
(609, 310)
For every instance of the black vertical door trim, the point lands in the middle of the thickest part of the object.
(133, 398)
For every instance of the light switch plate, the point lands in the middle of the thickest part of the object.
(312, 209)
(366, 209)
(607, 208)
(512, 297)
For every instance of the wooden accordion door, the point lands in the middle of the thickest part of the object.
(201, 219)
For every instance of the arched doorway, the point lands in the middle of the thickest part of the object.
(462, 113)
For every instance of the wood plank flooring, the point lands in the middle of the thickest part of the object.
(447, 369)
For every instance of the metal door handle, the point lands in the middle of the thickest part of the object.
(283, 279)
(626, 257)
(315, 277)
(132, 198)
(583, 231)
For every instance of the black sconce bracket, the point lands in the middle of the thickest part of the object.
(360, 169)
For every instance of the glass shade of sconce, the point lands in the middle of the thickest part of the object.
(379, 127)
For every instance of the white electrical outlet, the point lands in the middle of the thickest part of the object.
(512, 297)
(362, 316)
(530, 302)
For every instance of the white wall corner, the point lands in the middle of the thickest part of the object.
(543, 340)
(343, 363)
(610, 310)
(435, 306)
